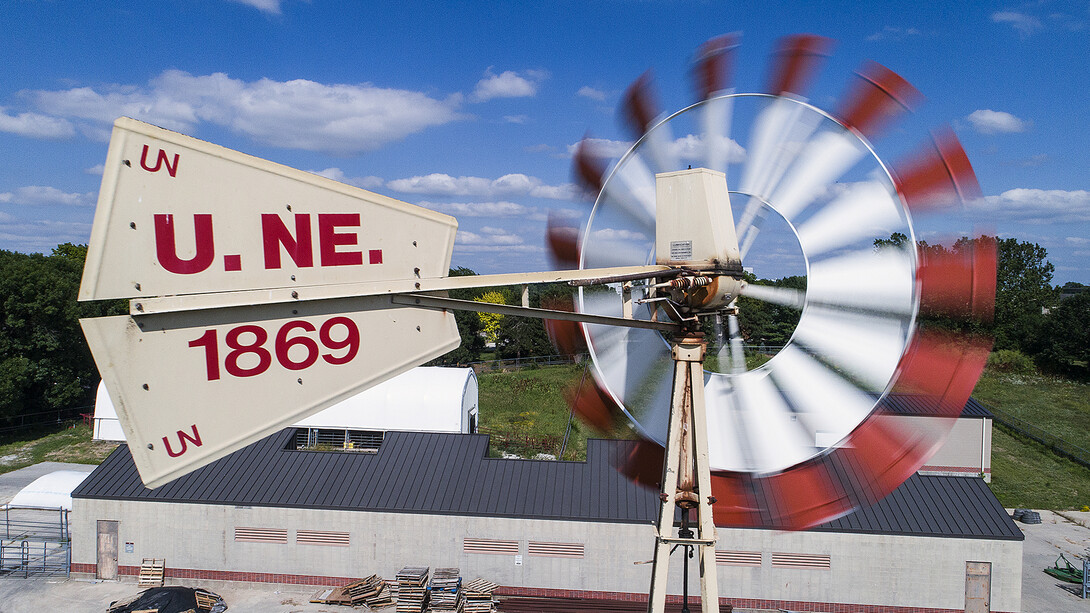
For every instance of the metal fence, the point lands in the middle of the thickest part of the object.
(517, 363)
(1055, 443)
(35, 543)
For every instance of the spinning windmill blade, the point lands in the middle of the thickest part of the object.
(807, 436)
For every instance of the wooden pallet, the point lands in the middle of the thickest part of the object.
(151, 572)
(205, 600)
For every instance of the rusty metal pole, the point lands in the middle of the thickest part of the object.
(686, 478)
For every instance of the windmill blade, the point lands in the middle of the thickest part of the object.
(640, 112)
(880, 281)
(878, 96)
(797, 60)
(937, 176)
(715, 120)
(866, 210)
(562, 241)
(775, 438)
(825, 158)
(630, 191)
(712, 65)
(830, 404)
(588, 169)
(778, 135)
(866, 348)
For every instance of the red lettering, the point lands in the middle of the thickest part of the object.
(182, 438)
(166, 248)
(329, 239)
(160, 161)
(274, 234)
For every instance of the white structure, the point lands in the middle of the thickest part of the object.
(51, 491)
(427, 398)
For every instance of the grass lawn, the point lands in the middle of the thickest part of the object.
(1025, 473)
(1058, 406)
(526, 412)
(72, 444)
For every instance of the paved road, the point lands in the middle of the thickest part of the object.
(1042, 593)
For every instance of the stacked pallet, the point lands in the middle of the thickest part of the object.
(443, 590)
(151, 573)
(371, 591)
(412, 589)
(477, 597)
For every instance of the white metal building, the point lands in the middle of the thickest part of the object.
(426, 398)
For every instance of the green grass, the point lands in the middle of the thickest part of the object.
(527, 413)
(1058, 406)
(1025, 473)
(73, 444)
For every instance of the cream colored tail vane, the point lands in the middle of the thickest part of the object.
(259, 294)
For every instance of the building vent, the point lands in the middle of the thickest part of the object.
(321, 537)
(261, 535)
(801, 560)
(493, 546)
(333, 439)
(738, 558)
(555, 550)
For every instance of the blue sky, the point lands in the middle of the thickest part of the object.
(473, 108)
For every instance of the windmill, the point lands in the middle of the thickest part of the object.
(260, 294)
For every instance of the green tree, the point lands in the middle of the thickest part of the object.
(1023, 292)
(44, 360)
(1066, 336)
(469, 328)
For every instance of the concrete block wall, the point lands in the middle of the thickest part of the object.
(864, 569)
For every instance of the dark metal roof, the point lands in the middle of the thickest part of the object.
(906, 404)
(450, 474)
(413, 472)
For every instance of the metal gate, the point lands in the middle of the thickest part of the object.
(35, 543)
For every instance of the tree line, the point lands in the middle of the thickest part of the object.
(45, 364)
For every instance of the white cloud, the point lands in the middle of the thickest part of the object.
(689, 147)
(338, 175)
(515, 118)
(1037, 206)
(98, 169)
(589, 92)
(693, 147)
(1024, 24)
(602, 147)
(987, 121)
(41, 236)
(35, 125)
(302, 114)
(894, 33)
(34, 195)
(613, 234)
(489, 237)
(265, 6)
(502, 208)
(507, 84)
(1077, 240)
(438, 184)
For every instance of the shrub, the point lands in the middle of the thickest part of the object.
(1011, 361)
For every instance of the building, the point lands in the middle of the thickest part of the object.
(271, 512)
